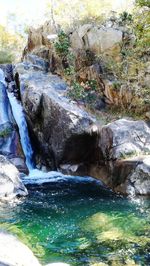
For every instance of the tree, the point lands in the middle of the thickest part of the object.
(143, 3)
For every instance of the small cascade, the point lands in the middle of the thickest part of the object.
(8, 100)
(19, 117)
(3, 100)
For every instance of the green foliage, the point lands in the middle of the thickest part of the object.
(63, 44)
(76, 92)
(6, 56)
(5, 133)
(69, 71)
(142, 3)
(125, 18)
(69, 14)
(10, 46)
(87, 92)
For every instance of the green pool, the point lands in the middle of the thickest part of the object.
(81, 223)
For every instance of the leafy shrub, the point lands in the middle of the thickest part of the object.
(142, 3)
(125, 18)
(76, 92)
(63, 44)
(5, 132)
(87, 92)
(6, 57)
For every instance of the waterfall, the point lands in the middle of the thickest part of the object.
(35, 176)
(19, 117)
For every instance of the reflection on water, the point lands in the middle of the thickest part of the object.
(81, 224)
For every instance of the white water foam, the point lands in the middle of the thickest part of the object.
(38, 177)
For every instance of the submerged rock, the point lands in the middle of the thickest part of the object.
(10, 183)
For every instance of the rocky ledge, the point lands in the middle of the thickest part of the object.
(11, 185)
(62, 132)
(15, 253)
(67, 138)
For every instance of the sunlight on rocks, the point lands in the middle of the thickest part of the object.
(84, 243)
(99, 264)
(113, 234)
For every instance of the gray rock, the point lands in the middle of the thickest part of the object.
(15, 253)
(38, 63)
(20, 164)
(10, 183)
(139, 180)
(125, 145)
(96, 39)
(124, 138)
(64, 132)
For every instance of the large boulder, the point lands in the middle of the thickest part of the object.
(63, 131)
(124, 138)
(139, 180)
(10, 183)
(125, 147)
(15, 253)
(97, 39)
(40, 37)
(132, 176)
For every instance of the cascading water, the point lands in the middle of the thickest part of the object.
(4, 116)
(35, 176)
(19, 117)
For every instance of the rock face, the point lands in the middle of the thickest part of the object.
(67, 138)
(15, 253)
(125, 145)
(97, 40)
(10, 183)
(139, 180)
(124, 138)
(64, 132)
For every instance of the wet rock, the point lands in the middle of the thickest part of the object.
(9, 137)
(19, 163)
(10, 183)
(15, 253)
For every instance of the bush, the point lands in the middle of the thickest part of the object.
(5, 132)
(87, 92)
(6, 57)
(142, 3)
(63, 44)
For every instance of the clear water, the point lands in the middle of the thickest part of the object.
(80, 223)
